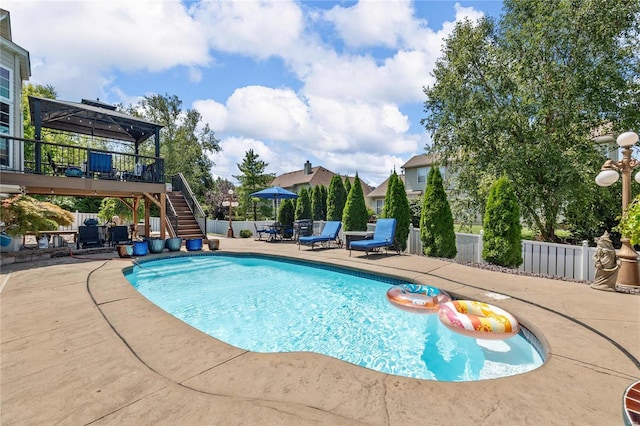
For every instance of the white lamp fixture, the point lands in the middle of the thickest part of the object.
(607, 177)
(627, 139)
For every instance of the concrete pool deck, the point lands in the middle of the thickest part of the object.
(80, 346)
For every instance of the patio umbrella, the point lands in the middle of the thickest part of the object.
(275, 193)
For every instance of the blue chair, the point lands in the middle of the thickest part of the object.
(100, 163)
(329, 234)
(382, 237)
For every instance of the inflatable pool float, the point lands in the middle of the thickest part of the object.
(478, 319)
(417, 298)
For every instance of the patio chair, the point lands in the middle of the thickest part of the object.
(119, 235)
(382, 237)
(329, 234)
(100, 163)
(260, 231)
(88, 236)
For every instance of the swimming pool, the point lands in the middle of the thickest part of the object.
(265, 305)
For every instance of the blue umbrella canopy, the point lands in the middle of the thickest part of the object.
(275, 193)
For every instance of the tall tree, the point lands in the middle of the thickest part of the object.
(336, 198)
(303, 205)
(502, 229)
(436, 223)
(396, 205)
(355, 215)
(185, 141)
(252, 179)
(347, 186)
(316, 203)
(523, 97)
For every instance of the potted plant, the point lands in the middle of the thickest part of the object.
(22, 214)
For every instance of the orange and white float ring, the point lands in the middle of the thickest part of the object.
(417, 298)
(478, 319)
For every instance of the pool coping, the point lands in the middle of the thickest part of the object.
(146, 363)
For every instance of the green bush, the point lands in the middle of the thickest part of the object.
(436, 222)
(355, 216)
(502, 228)
(336, 198)
(303, 205)
(629, 225)
(396, 205)
(245, 233)
(286, 214)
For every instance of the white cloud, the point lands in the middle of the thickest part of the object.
(76, 45)
(254, 28)
(374, 23)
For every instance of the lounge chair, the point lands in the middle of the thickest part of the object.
(382, 237)
(260, 231)
(329, 234)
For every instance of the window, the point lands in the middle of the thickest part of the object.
(422, 174)
(379, 206)
(5, 115)
(5, 83)
(4, 128)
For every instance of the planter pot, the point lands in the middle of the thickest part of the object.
(125, 250)
(155, 245)
(140, 248)
(214, 244)
(173, 244)
(194, 244)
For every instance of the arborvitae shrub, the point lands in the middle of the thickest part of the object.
(502, 228)
(355, 216)
(396, 205)
(303, 205)
(336, 199)
(436, 222)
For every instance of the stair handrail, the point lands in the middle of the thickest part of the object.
(171, 218)
(178, 181)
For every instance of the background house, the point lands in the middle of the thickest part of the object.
(309, 177)
(414, 176)
(15, 67)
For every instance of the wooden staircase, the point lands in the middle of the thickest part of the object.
(187, 224)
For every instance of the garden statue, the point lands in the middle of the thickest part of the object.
(606, 263)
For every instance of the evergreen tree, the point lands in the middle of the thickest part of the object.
(303, 205)
(286, 215)
(436, 223)
(396, 205)
(252, 179)
(355, 216)
(347, 186)
(316, 203)
(325, 194)
(336, 198)
(502, 228)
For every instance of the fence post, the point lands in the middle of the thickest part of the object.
(480, 247)
(585, 260)
(410, 240)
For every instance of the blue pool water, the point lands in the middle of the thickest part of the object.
(265, 305)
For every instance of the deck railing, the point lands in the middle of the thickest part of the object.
(52, 159)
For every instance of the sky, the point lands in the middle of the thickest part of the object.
(338, 83)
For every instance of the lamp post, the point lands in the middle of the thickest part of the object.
(629, 272)
(230, 203)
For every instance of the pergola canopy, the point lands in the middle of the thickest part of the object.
(92, 118)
